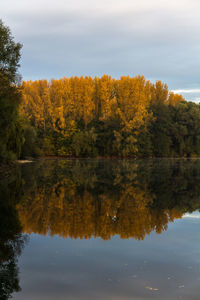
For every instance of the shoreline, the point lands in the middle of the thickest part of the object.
(7, 169)
(52, 157)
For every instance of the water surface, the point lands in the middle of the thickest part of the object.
(93, 229)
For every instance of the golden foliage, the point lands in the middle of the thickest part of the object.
(61, 103)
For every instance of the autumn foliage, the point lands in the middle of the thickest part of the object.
(126, 117)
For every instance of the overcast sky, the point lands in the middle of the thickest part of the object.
(157, 38)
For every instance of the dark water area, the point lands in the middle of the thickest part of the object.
(101, 229)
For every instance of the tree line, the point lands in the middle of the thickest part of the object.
(126, 117)
(89, 117)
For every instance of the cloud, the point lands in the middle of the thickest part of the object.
(194, 215)
(151, 37)
(186, 91)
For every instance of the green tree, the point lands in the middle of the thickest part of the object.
(11, 133)
(9, 54)
(83, 143)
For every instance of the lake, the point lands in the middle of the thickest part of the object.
(101, 229)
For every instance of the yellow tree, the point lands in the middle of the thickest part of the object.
(133, 102)
(174, 99)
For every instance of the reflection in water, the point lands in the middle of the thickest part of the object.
(11, 239)
(92, 198)
(102, 198)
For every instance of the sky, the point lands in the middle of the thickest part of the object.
(159, 39)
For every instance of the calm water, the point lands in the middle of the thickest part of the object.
(101, 229)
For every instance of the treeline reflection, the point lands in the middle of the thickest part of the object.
(12, 240)
(103, 198)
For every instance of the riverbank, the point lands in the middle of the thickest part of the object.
(111, 157)
(6, 169)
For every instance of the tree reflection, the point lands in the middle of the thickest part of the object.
(11, 239)
(81, 199)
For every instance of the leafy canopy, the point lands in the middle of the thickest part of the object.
(9, 53)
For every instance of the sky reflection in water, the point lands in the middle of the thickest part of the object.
(110, 229)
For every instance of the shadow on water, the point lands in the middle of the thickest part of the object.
(11, 239)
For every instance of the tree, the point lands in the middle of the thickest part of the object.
(11, 137)
(9, 53)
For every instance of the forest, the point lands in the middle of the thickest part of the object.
(91, 117)
(106, 117)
